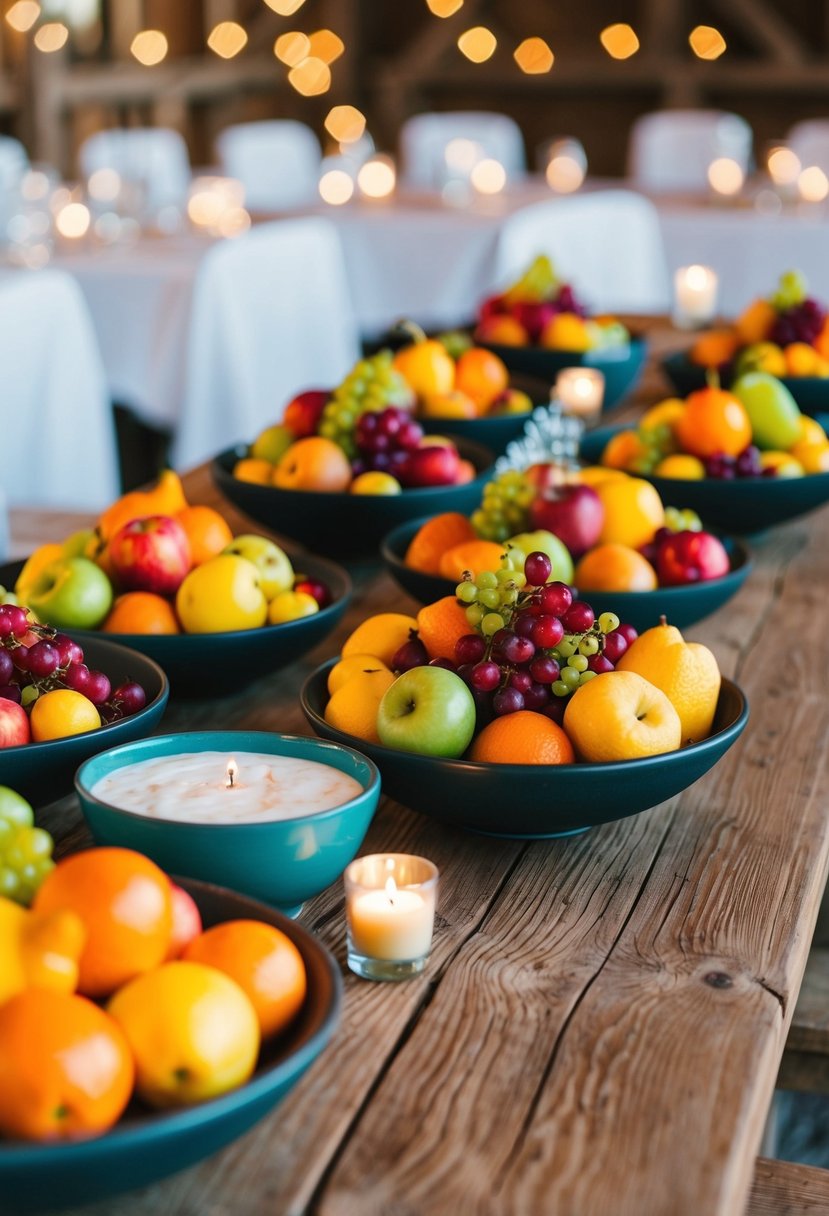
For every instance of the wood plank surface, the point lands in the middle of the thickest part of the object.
(783, 1189)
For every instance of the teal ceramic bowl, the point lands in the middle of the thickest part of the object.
(216, 664)
(147, 1145)
(43, 772)
(282, 862)
(744, 506)
(682, 606)
(810, 392)
(622, 366)
(528, 801)
(349, 525)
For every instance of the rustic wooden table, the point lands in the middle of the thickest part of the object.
(602, 1018)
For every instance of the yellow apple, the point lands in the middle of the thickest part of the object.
(221, 595)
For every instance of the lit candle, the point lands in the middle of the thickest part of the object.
(390, 913)
(580, 391)
(695, 296)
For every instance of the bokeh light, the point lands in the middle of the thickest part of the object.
(346, 124)
(73, 220)
(227, 39)
(326, 45)
(534, 56)
(488, 176)
(725, 176)
(444, 8)
(310, 77)
(285, 8)
(22, 15)
(377, 177)
(462, 155)
(813, 184)
(565, 174)
(336, 187)
(104, 185)
(784, 166)
(620, 40)
(51, 37)
(149, 47)
(706, 42)
(34, 185)
(291, 48)
(477, 44)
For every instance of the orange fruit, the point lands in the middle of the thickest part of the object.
(481, 375)
(566, 331)
(353, 707)
(621, 716)
(264, 963)
(473, 555)
(440, 625)
(522, 738)
(207, 531)
(622, 450)
(501, 330)
(756, 322)
(125, 903)
(166, 497)
(632, 512)
(260, 472)
(715, 347)
(355, 664)
(822, 340)
(60, 713)
(687, 673)
(615, 568)
(438, 534)
(380, 635)
(592, 475)
(812, 459)
(314, 463)
(686, 468)
(66, 1070)
(141, 612)
(448, 405)
(803, 360)
(714, 421)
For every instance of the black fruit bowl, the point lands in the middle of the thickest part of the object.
(810, 392)
(621, 366)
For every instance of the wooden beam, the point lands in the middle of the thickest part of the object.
(765, 28)
(125, 19)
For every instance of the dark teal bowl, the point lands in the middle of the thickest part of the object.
(283, 862)
(682, 606)
(147, 1145)
(215, 664)
(493, 432)
(622, 366)
(528, 801)
(346, 524)
(43, 772)
(743, 506)
(810, 392)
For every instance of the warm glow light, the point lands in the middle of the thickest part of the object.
(51, 37)
(478, 44)
(215, 203)
(725, 175)
(534, 56)
(346, 124)
(292, 48)
(377, 177)
(104, 185)
(34, 185)
(784, 166)
(326, 45)
(73, 220)
(619, 41)
(22, 15)
(310, 77)
(227, 39)
(285, 8)
(444, 8)
(706, 42)
(697, 277)
(564, 174)
(813, 184)
(488, 176)
(336, 187)
(461, 155)
(149, 47)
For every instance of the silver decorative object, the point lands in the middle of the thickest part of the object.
(550, 437)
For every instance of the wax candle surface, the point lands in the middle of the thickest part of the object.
(397, 926)
(194, 787)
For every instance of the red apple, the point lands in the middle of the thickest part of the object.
(690, 557)
(302, 414)
(14, 724)
(544, 476)
(431, 465)
(572, 513)
(491, 306)
(187, 923)
(533, 315)
(151, 554)
(316, 589)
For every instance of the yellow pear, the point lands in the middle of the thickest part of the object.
(687, 672)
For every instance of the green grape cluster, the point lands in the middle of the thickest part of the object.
(25, 851)
(505, 505)
(491, 598)
(370, 386)
(574, 652)
(682, 520)
(792, 289)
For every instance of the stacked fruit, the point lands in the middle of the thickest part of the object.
(514, 669)
(755, 430)
(362, 438)
(538, 308)
(25, 851)
(784, 335)
(177, 567)
(96, 1007)
(451, 378)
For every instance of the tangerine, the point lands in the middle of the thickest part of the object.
(353, 707)
(141, 612)
(60, 713)
(314, 463)
(381, 635)
(715, 347)
(440, 625)
(615, 568)
(566, 331)
(714, 421)
(473, 555)
(481, 375)
(756, 322)
(632, 512)
(522, 738)
(438, 534)
(257, 471)
(355, 664)
(622, 450)
(207, 531)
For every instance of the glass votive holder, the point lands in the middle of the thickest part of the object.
(695, 296)
(390, 901)
(580, 393)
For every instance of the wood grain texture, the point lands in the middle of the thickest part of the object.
(783, 1189)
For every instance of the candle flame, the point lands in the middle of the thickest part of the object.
(232, 773)
(391, 889)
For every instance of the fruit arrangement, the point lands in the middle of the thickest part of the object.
(154, 564)
(754, 430)
(539, 309)
(98, 1010)
(784, 335)
(362, 438)
(25, 852)
(514, 669)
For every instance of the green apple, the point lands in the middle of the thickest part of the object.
(429, 711)
(275, 570)
(772, 410)
(272, 444)
(77, 544)
(545, 542)
(71, 593)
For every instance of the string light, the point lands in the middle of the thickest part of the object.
(310, 77)
(51, 37)
(336, 187)
(292, 48)
(285, 8)
(534, 56)
(444, 8)
(326, 45)
(149, 47)
(346, 124)
(813, 184)
(22, 15)
(620, 41)
(706, 42)
(227, 39)
(478, 44)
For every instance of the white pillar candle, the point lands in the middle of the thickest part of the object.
(695, 296)
(580, 390)
(390, 913)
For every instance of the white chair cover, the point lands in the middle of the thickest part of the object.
(14, 161)
(607, 244)
(153, 157)
(670, 151)
(58, 444)
(423, 141)
(810, 140)
(278, 162)
(271, 316)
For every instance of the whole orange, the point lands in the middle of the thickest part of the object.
(141, 612)
(438, 534)
(66, 1070)
(440, 625)
(314, 463)
(481, 375)
(714, 421)
(125, 903)
(207, 531)
(473, 555)
(260, 472)
(264, 963)
(522, 738)
(632, 512)
(614, 568)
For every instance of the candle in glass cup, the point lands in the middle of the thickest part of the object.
(695, 296)
(580, 391)
(390, 912)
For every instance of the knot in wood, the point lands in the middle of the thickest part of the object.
(718, 979)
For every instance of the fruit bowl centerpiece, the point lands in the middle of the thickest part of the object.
(538, 327)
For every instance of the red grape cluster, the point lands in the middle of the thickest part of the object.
(35, 659)
(384, 440)
(800, 323)
(731, 468)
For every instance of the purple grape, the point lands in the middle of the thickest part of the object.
(547, 632)
(554, 709)
(411, 654)
(578, 618)
(465, 672)
(599, 663)
(523, 625)
(69, 651)
(409, 435)
(538, 569)
(507, 701)
(17, 617)
(514, 649)
(20, 657)
(43, 659)
(627, 631)
(520, 680)
(446, 664)
(131, 697)
(536, 696)
(98, 688)
(470, 648)
(556, 598)
(6, 666)
(544, 669)
(76, 677)
(485, 676)
(615, 645)
(11, 693)
(748, 462)
(720, 467)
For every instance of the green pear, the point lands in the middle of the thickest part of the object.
(772, 410)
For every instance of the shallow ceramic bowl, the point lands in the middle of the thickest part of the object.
(282, 861)
(346, 524)
(743, 506)
(147, 1145)
(621, 366)
(682, 606)
(528, 801)
(43, 772)
(810, 392)
(214, 664)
